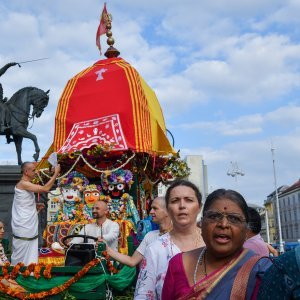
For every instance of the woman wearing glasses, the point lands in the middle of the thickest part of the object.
(223, 269)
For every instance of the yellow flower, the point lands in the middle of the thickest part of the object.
(71, 155)
(107, 172)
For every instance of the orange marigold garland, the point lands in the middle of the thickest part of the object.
(47, 271)
(36, 269)
(15, 271)
(109, 264)
(66, 285)
(5, 270)
(9, 291)
(28, 270)
(31, 268)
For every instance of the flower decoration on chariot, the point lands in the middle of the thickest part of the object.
(72, 186)
(116, 183)
(74, 180)
(175, 168)
(91, 194)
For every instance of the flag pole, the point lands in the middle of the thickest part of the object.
(111, 51)
(281, 246)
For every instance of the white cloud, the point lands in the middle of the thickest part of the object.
(177, 93)
(254, 69)
(255, 159)
(286, 14)
(282, 117)
(221, 56)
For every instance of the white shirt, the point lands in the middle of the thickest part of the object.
(154, 268)
(147, 240)
(109, 231)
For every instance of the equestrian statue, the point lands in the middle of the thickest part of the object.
(15, 114)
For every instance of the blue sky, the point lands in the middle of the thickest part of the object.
(227, 74)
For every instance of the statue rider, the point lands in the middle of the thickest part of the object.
(5, 118)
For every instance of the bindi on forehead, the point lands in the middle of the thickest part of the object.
(225, 207)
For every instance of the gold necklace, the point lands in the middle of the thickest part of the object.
(183, 243)
(199, 262)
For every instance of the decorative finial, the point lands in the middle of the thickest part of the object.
(111, 51)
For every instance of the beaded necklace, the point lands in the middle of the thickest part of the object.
(199, 261)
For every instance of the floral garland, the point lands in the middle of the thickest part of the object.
(33, 267)
(36, 269)
(47, 271)
(109, 264)
(121, 176)
(120, 212)
(104, 198)
(11, 292)
(74, 180)
(90, 166)
(70, 211)
(175, 168)
(157, 167)
(56, 290)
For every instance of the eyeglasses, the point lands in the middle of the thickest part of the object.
(217, 217)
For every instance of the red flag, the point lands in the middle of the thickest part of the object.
(102, 27)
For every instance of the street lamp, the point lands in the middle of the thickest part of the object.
(281, 248)
(235, 170)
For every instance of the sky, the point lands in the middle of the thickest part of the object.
(226, 73)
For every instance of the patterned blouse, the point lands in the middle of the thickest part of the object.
(154, 268)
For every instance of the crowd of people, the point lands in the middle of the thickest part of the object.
(224, 257)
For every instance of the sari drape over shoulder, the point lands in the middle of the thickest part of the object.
(218, 284)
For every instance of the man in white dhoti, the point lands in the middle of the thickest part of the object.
(25, 210)
(103, 229)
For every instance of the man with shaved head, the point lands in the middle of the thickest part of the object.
(159, 216)
(103, 229)
(24, 220)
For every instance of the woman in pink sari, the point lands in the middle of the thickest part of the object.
(223, 269)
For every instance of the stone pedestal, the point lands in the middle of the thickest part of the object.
(9, 176)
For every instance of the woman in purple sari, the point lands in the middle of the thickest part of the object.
(223, 269)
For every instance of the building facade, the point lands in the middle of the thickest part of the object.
(198, 173)
(289, 202)
(272, 220)
(269, 230)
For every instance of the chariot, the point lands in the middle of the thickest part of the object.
(111, 143)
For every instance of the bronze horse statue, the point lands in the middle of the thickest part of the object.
(19, 106)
